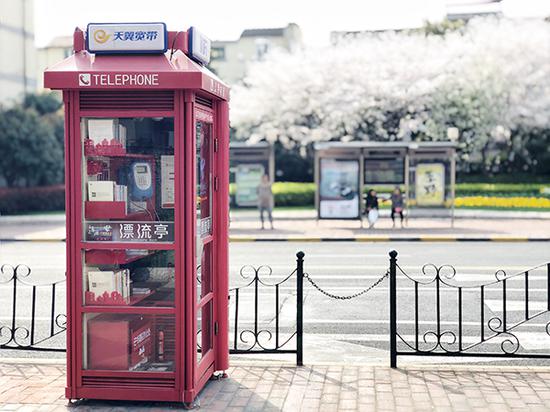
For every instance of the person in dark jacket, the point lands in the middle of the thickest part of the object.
(397, 205)
(371, 207)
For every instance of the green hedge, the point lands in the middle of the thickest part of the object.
(502, 189)
(294, 194)
(32, 199)
(303, 194)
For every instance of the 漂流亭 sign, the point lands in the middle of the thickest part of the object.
(199, 46)
(124, 38)
(130, 231)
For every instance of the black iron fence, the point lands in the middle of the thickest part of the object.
(446, 317)
(267, 336)
(21, 328)
(452, 318)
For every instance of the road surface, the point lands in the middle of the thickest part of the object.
(357, 329)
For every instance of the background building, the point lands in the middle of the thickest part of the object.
(465, 10)
(231, 58)
(58, 49)
(17, 50)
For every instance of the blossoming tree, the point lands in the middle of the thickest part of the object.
(488, 79)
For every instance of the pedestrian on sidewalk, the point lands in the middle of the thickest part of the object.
(372, 207)
(397, 205)
(265, 200)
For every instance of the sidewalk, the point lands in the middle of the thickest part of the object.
(302, 225)
(469, 225)
(268, 387)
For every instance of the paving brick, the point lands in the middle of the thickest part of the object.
(314, 388)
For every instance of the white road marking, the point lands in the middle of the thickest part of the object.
(542, 339)
(386, 322)
(515, 305)
(416, 268)
(360, 255)
(532, 340)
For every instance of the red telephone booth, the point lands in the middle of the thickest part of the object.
(146, 140)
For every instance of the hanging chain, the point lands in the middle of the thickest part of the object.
(355, 295)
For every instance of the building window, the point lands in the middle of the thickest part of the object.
(262, 47)
(217, 53)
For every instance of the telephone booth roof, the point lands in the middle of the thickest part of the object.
(172, 70)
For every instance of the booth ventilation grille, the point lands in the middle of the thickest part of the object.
(162, 100)
(203, 101)
(128, 382)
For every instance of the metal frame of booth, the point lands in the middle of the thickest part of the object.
(166, 328)
(410, 152)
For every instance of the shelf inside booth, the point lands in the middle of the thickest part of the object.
(113, 257)
(163, 298)
(114, 299)
(113, 210)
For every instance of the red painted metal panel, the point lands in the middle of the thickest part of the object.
(189, 207)
(222, 235)
(68, 99)
(141, 393)
(190, 394)
(85, 71)
(141, 376)
(127, 245)
(150, 310)
(109, 97)
(161, 100)
(206, 115)
(179, 238)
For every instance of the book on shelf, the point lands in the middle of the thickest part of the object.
(141, 291)
(121, 195)
(126, 284)
(122, 135)
(101, 281)
(101, 191)
(103, 129)
(108, 281)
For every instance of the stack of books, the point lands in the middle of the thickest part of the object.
(103, 282)
(107, 191)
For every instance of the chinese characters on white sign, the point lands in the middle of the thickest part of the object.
(130, 231)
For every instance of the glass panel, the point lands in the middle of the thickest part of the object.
(204, 178)
(204, 272)
(205, 330)
(128, 342)
(128, 179)
(128, 277)
(199, 246)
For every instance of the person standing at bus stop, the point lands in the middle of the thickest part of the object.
(265, 200)
(372, 207)
(397, 205)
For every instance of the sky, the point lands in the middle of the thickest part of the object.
(226, 19)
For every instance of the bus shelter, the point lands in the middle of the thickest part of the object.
(247, 164)
(344, 172)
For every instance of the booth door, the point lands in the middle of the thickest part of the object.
(129, 256)
(204, 242)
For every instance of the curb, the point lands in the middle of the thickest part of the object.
(242, 239)
(32, 240)
(381, 363)
(394, 239)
